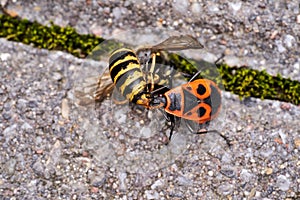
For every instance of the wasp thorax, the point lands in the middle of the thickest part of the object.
(144, 55)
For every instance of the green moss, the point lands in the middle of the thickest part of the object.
(248, 82)
(52, 37)
(242, 81)
(191, 67)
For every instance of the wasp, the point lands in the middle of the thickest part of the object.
(197, 101)
(136, 74)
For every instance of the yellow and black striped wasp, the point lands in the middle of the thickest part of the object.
(136, 74)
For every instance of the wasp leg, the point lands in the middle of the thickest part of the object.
(153, 63)
(137, 108)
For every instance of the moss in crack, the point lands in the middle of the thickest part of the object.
(247, 82)
(52, 37)
(242, 81)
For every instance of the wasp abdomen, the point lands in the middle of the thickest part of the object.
(126, 73)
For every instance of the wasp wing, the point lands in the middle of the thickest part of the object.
(105, 86)
(84, 92)
(176, 43)
(102, 51)
(93, 83)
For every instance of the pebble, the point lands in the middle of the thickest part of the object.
(146, 132)
(268, 170)
(9, 130)
(239, 128)
(245, 175)
(213, 7)
(27, 127)
(232, 60)
(175, 23)
(184, 181)
(39, 151)
(21, 104)
(297, 66)
(6, 116)
(297, 142)
(93, 190)
(9, 167)
(289, 41)
(283, 136)
(225, 189)
(57, 76)
(196, 9)
(114, 185)
(32, 104)
(274, 34)
(97, 180)
(5, 56)
(181, 6)
(158, 184)
(283, 183)
(150, 194)
(106, 10)
(65, 109)
(285, 106)
(120, 116)
(117, 12)
(55, 153)
(266, 153)
(122, 181)
(3, 3)
(228, 172)
(236, 6)
(226, 158)
(280, 47)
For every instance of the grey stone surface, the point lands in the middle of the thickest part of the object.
(52, 148)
